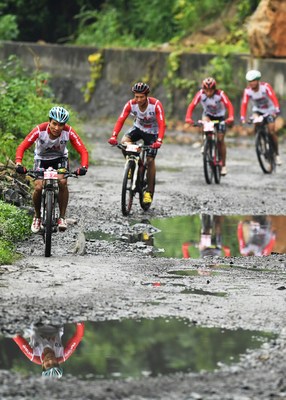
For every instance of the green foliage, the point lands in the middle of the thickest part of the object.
(14, 226)
(8, 27)
(26, 99)
(95, 61)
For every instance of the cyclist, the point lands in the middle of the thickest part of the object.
(214, 103)
(45, 346)
(149, 125)
(264, 101)
(50, 140)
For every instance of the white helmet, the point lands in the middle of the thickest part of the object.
(253, 75)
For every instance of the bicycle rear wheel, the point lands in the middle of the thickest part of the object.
(217, 164)
(265, 151)
(48, 220)
(127, 193)
(208, 161)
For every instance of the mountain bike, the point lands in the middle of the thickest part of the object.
(264, 145)
(135, 176)
(49, 201)
(211, 154)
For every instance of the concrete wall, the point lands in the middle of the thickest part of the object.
(70, 71)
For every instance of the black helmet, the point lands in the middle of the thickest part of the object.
(141, 87)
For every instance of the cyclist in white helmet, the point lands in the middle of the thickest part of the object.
(264, 101)
(51, 140)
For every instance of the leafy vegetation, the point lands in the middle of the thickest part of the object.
(14, 226)
(127, 23)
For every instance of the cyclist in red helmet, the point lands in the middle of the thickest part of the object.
(149, 126)
(215, 103)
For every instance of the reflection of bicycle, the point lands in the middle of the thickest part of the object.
(135, 176)
(211, 152)
(49, 202)
(264, 145)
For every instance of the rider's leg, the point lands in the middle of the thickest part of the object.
(37, 196)
(151, 174)
(272, 131)
(222, 147)
(63, 196)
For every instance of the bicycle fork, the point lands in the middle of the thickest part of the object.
(135, 173)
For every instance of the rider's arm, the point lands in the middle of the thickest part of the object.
(160, 115)
(122, 117)
(271, 94)
(244, 103)
(79, 147)
(26, 349)
(192, 106)
(73, 342)
(228, 105)
(27, 142)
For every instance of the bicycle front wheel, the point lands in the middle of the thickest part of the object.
(208, 161)
(48, 219)
(265, 151)
(127, 193)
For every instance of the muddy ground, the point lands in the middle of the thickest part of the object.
(102, 280)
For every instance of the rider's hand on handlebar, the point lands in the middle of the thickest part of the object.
(81, 171)
(113, 140)
(20, 169)
(157, 144)
(190, 122)
(229, 121)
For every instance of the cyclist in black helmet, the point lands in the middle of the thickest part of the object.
(50, 140)
(149, 125)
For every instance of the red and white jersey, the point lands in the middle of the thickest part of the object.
(152, 120)
(47, 148)
(214, 106)
(264, 100)
(35, 348)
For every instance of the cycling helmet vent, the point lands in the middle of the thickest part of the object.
(59, 114)
(54, 372)
(141, 87)
(209, 83)
(253, 75)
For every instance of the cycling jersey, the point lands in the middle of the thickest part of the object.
(214, 106)
(264, 100)
(47, 148)
(39, 341)
(151, 121)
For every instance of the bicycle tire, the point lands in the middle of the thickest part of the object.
(264, 151)
(48, 218)
(217, 164)
(143, 187)
(127, 193)
(208, 161)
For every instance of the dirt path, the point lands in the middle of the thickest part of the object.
(102, 280)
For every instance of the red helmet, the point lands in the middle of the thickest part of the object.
(209, 83)
(141, 87)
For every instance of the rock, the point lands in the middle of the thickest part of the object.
(267, 29)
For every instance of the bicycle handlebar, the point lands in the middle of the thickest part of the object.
(123, 146)
(37, 173)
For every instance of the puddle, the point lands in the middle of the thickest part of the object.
(199, 236)
(205, 235)
(134, 348)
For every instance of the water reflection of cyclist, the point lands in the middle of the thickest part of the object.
(256, 236)
(265, 101)
(45, 346)
(210, 240)
(215, 103)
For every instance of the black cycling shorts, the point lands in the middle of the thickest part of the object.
(56, 163)
(135, 134)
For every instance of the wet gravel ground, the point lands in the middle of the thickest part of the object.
(103, 280)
